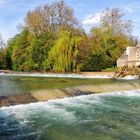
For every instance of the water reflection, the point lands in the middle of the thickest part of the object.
(15, 85)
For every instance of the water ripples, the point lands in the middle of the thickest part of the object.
(106, 116)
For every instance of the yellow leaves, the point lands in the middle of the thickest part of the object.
(50, 18)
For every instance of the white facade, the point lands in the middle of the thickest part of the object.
(130, 58)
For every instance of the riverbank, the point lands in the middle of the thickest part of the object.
(45, 95)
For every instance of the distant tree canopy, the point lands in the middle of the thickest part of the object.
(109, 40)
(53, 40)
(49, 18)
(114, 18)
(2, 54)
(2, 45)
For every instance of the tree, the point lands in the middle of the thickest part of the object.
(2, 54)
(2, 59)
(19, 50)
(53, 40)
(133, 41)
(2, 44)
(109, 40)
(50, 18)
(8, 55)
(105, 47)
(39, 48)
(63, 56)
(83, 49)
(115, 19)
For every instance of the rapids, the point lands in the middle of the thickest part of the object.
(109, 116)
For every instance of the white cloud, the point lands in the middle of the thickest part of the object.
(92, 19)
(128, 9)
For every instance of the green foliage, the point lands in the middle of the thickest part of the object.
(39, 49)
(19, 50)
(53, 41)
(2, 59)
(97, 62)
(105, 48)
(113, 69)
(27, 52)
(63, 56)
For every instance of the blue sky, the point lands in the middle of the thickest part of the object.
(12, 12)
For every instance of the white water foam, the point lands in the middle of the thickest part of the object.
(128, 77)
(59, 107)
(131, 93)
(94, 98)
(61, 75)
(47, 118)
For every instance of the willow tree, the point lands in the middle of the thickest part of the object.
(63, 56)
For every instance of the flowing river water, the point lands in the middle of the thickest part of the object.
(107, 116)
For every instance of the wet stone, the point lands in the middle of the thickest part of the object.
(16, 99)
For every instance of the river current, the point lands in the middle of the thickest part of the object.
(109, 116)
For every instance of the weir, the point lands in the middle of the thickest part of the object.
(45, 95)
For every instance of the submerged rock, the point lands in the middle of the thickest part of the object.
(16, 99)
(77, 92)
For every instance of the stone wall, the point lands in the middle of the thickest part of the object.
(122, 61)
(131, 53)
(130, 58)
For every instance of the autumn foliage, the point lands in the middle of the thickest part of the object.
(52, 39)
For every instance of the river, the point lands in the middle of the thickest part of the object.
(26, 84)
(108, 116)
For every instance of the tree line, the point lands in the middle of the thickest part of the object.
(52, 39)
